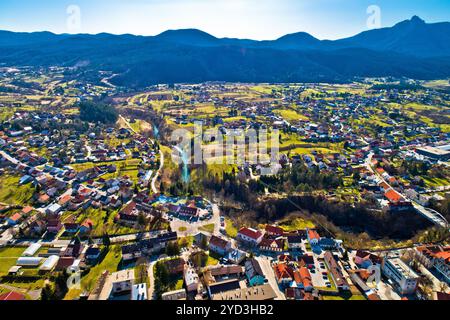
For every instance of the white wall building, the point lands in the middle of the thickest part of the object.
(401, 274)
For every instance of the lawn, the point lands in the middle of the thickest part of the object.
(231, 230)
(104, 222)
(8, 258)
(295, 224)
(212, 261)
(208, 228)
(13, 193)
(290, 115)
(110, 262)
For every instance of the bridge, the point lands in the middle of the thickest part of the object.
(432, 215)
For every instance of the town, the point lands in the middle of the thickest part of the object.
(93, 207)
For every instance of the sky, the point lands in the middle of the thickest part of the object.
(249, 19)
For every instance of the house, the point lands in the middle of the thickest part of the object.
(92, 254)
(201, 238)
(234, 271)
(294, 293)
(54, 225)
(250, 236)
(366, 259)
(436, 257)
(328, 243)
(313, 237)
(174, 295)
(131, 251)
(236, 256)
(65, 200)
(283, 274)
(122, 281)
(38, 227)
(225, 285)
(139, 292)
(71, 227)
(86, 227)
(254, 273)
(274, 231)
(27, 210)
(188, 211)
(54, 209)
(15, 219)
(191, 279)
(294, 242)
(74, 249)
(335, 271)
(272, 245)
(44, 198)
(404, 278)
(175, 266)
(302, 279)
(219, 245)
(129, 214)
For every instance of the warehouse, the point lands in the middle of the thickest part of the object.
(28, 261)
(434, 153)
(49, 263)
(31, 250)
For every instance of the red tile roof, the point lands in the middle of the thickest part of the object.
(312, 234)
(283, 271)
(16, 217)
(274, 230)
(393, 196)
(251, 233)
(27, 209)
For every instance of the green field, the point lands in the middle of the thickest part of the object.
(13, 193)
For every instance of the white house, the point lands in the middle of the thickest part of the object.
(250, 235)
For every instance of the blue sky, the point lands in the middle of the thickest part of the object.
(255, 19)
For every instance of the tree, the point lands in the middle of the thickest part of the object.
(173, 248)
(47, 293)
(106, 241)
(141, 220)
(97, 112)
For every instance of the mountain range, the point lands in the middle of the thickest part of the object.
(412, 48)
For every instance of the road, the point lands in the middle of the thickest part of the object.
(192, 228)
(267, 269)
(437, 284)
(432, 215)
(158, 173)
(151, 278)
(127, 124)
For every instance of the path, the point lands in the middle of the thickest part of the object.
(158, 173)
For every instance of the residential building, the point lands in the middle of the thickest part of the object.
(335, 271)
(219, 245)
(404, 278)
(250, 236)
(254, 273)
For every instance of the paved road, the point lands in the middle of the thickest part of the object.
(386, 292)
(437, 284)
(428, 213)
(193, 228)
(158, 173)
(267, 269)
